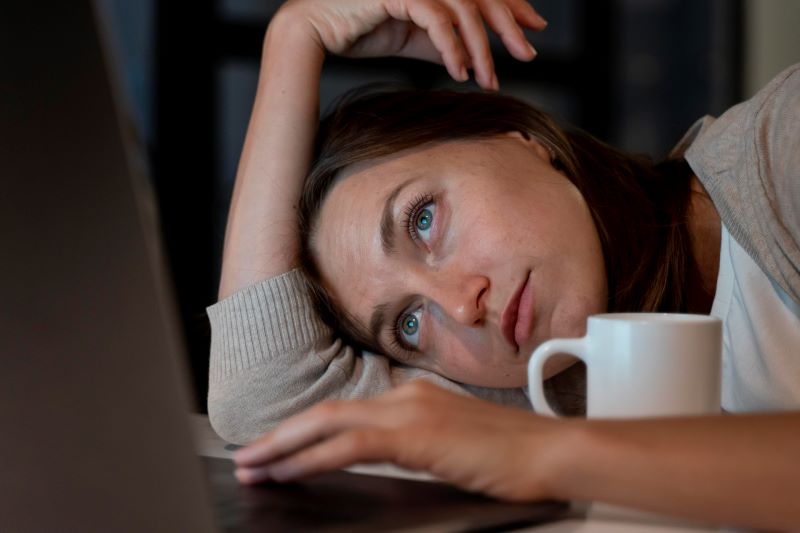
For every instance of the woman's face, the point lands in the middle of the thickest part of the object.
(461, 258)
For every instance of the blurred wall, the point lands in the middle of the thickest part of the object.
(772, 40)
(130, 37)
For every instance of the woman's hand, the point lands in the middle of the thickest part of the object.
(450, 32)
(733, 470)
(506, 453)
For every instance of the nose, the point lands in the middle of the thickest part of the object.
(461, 296)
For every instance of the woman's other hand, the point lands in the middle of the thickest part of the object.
(449, 32)
(506, 453)
(727, 470)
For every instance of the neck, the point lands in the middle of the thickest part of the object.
(704, 232)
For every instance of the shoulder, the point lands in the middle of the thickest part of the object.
(749, 162)
(774, 137)
(765, 128)
(776, 127)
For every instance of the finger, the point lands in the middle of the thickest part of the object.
(473, 34)
(306, 428)
(252, 475)
(525, 14)
(502, 22)
(419, 46)
(339, 451)
(437, 21)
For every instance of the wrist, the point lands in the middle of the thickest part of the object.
(568, 457)
(291, 25)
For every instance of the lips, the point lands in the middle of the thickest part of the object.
(517, 317)
(525, 316)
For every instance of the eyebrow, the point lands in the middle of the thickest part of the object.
(387, 228)
(387, 221)
(376, 321)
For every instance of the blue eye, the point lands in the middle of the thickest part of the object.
(409, 328)
(423, 220)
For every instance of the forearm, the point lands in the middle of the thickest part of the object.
(261, 238)
(741, 470)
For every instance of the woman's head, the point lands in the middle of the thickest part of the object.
(457, 231)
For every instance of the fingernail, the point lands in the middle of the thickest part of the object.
(533, 50)
(542, 21)
(464, 76)
(495, 83)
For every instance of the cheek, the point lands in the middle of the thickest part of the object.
(483, 236)
(482, 368)
(458, 351)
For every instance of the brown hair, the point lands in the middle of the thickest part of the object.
(639, 208)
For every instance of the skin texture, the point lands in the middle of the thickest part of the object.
(500, 213)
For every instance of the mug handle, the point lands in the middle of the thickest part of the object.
(576, 347)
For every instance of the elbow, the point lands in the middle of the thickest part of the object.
(223, 419)
(236, 418)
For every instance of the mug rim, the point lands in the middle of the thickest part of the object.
(655, 318)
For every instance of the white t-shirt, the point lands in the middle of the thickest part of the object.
(760, 335)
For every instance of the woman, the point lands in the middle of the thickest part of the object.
(417, 247)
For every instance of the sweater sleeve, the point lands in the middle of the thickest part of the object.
(271, 357)
(749, 162)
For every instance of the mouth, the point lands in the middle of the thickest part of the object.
(516, 318)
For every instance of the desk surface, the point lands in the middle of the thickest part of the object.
(594, 518)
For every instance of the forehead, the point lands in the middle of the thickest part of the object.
(347, 239)
(354, 204)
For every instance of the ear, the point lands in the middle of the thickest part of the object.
(540, 150)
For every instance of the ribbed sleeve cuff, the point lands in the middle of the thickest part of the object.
(261, 322)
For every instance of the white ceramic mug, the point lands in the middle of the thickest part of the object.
(641, 365)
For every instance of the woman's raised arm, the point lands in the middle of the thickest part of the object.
(261, 238)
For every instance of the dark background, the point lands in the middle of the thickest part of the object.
(635, 73)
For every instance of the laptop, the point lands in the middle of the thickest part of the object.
(93, 386)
